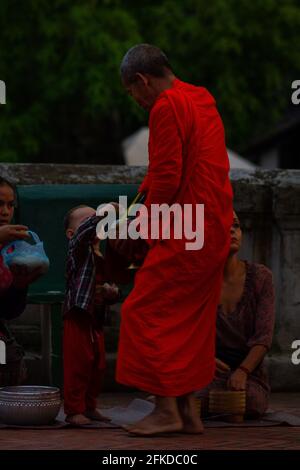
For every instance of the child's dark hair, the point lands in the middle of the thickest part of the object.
(5, 182)
(68, 216)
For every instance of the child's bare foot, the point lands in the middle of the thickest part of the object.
(78, 420)
(95, 415)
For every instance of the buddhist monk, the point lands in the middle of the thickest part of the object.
(168, 320)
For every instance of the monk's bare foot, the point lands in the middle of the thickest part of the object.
(164, 418)
(78, 420)
(95, 415)
(190, 416)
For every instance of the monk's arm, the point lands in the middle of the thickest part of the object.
(165, 159)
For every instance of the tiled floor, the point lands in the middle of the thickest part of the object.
(99, 439)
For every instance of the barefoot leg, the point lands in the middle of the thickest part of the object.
(165, 418)
(190, 415)
(77, 420)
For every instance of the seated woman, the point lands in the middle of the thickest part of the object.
(13, 285)
(245, 322)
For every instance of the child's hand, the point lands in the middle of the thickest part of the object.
(112, 207)
(107, 208)
(9, 233)
(107, 293)
(111, 292)
(110, 210)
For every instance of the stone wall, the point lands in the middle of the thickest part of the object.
(27, 173)
(268, 204)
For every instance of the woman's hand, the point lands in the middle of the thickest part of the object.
(237, 380)
(9, 233)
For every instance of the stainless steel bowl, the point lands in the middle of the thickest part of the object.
(29, 405)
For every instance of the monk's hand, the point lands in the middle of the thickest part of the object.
(237, 380)
(221, 367)
(9, 233)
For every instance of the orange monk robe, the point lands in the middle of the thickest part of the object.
(167, 337)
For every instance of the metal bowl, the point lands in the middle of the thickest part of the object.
(29, 405)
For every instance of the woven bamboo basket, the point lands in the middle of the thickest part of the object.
(231, 404)
(202, 399)
(198, 405)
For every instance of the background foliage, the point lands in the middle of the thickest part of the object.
(60, 61)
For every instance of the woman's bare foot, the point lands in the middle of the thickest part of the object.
(95, 415)
(164, 418)
(78, 420)
(190, 415)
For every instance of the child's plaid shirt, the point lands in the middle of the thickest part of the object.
(80, 269)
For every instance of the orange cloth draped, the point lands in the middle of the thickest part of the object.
(167, 337)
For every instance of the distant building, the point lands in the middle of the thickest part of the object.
(135, 149)
(281, 147)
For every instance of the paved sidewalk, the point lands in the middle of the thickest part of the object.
(276, 438)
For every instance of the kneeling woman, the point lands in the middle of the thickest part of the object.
(245, 322)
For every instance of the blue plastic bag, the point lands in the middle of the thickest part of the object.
(25, 254)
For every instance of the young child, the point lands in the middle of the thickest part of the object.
(86, 298)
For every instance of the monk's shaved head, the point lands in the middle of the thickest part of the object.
(144, 59)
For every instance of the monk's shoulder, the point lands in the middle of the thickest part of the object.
(161, 111)
(161, 105)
